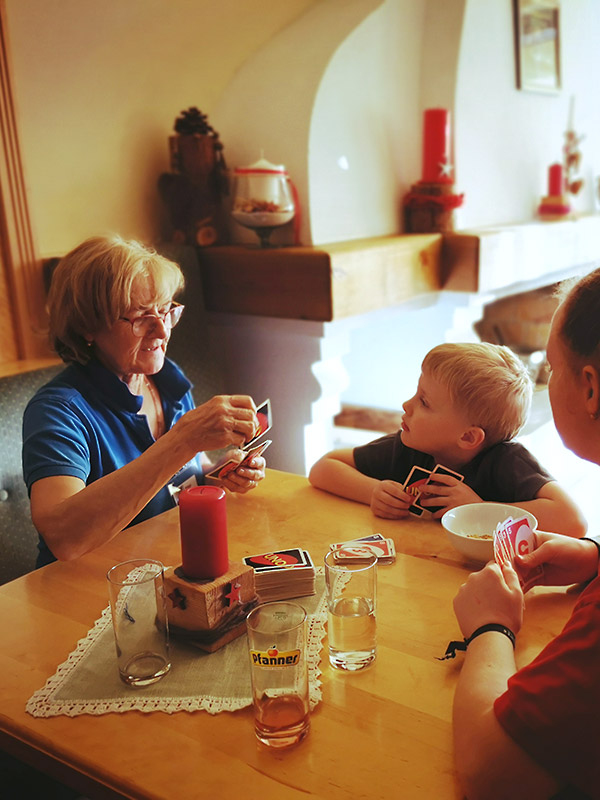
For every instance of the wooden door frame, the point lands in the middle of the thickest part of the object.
(19, 260)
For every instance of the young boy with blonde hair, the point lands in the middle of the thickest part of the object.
(471, 401)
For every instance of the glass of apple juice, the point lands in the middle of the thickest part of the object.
(279, 671)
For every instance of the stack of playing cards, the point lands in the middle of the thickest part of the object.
(282, 574)
(515, 536)
(252, 448)
(419, 477)
(376, 544)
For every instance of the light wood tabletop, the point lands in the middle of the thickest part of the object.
(382, 733)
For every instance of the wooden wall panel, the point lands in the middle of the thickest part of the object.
(21, 285)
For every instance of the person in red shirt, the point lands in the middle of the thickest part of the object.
(535, 732)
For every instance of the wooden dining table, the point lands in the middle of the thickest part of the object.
(384, 732)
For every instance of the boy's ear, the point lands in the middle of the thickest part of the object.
(591, 385)
(472, 438)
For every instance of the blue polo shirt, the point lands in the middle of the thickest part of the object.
(85, 423)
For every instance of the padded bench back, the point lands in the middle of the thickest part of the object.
(18, 537)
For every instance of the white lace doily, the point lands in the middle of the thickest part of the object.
(88, 681)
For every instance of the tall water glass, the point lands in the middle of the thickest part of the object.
(352, 607)
(279, 670)
(139, 617)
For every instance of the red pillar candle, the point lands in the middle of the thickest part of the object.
(555, 180)
(203, 529)
(436, 146)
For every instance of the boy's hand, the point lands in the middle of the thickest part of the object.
(390, 501)
(447, 492)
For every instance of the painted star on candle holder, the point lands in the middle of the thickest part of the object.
(446, 169)
(233, 595)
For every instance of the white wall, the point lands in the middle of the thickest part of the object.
(504, 141)
(98, 86)
(506, 138)
(387, 349)
(268, 105)
(364, 149)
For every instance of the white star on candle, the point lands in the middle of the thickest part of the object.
(445, 169)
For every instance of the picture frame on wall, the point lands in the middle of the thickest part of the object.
(537, 45)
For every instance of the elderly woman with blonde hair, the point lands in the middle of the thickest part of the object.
(108, 441)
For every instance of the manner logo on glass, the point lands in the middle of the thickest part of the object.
(275, 658)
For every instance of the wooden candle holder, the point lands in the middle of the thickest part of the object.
(429, 207)
(554, 207)
(209, 614)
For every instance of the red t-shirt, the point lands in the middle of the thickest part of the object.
(551, 707)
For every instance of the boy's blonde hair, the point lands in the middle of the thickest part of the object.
(92, 285)
(488, 382)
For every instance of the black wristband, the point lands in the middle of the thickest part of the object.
(589, 539)
(491, 626)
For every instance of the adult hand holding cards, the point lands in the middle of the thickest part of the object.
(515, 536)
(252, 448)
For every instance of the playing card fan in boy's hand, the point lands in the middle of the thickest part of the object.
(418, 479)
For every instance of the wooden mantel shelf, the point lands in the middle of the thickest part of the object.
(506, 258)
(330, 282)
(321, 283)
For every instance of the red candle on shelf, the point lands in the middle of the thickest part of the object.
(436, 146)
(555, 180)
(203, 529)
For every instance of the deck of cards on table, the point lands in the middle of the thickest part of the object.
(375, 544)
(515, 536)
(282, 574)
(418, 478)
(251, 448)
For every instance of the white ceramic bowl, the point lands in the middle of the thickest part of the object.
(465, 525)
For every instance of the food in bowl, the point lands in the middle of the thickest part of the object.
(470, 528)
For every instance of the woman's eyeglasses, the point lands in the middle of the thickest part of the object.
(146, 323)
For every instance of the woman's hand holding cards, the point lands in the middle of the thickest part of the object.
(565, 560)
(244, 467)
(246, 475)
(491, 595)
(224, 420)
(390, 501)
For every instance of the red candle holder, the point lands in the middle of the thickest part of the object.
(208, 596)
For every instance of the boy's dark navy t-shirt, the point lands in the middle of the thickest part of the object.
(505, 473)
(85, 423)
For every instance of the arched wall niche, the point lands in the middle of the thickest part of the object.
(337, 97)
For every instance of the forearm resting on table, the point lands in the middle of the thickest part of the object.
(339, 477)
(74, 519)
(490, 764)
(555, 511)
